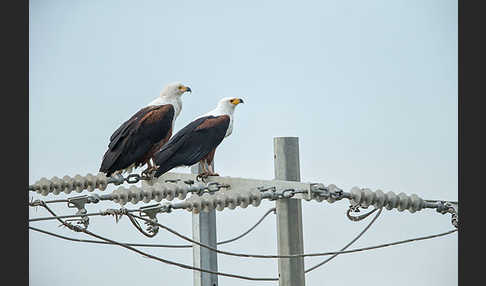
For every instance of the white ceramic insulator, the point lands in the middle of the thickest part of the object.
(68, 184)
(207, 202)
(181, 191)
(369, 198)
(391, 200)
(222, 200)
(136, 194)
(366, 197)
(379, 199)
(416, 203)
(255, 198)
(146, 193)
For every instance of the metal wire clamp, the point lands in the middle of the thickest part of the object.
(79, 202)
(452, 208)
(151, 212)
(215, 186)
(355, 208)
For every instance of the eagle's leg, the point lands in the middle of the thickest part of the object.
(211, 171)
(149, 164)
(155, 167)
(150, 169)
(204, 174)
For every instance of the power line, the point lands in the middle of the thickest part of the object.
(153, 245)
(128, 213)
(349, 244)
(250, 229)
(294, 255)
(80, 229)
(222, 242)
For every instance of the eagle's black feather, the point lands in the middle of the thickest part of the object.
(192, 143)
(135, 138)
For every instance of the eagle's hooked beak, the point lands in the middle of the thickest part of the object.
(188, 89)
(236, 101)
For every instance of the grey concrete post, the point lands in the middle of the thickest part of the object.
(204, 231)
(289, 213)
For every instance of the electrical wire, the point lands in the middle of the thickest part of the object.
(154, 245)
(347, 245)
(80, 229)
(294, 255)
(222, 242)
(268, 256)
(250, 229)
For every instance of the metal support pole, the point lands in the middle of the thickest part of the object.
(204, 231)
(289, 213)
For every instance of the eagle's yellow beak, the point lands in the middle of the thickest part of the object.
(237, 101)
(185, 89)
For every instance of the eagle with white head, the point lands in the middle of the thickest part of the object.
(197, 141)
(134, 143)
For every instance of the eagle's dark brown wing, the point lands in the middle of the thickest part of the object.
(135, 141)
(192, 143)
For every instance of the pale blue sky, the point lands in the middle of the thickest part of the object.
(369, 87)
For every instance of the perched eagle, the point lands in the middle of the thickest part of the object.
(197, 141)
(135, 141)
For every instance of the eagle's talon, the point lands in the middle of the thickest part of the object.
(149, 172)
(202, 176)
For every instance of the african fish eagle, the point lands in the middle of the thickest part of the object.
(197, 141)
(134, 143)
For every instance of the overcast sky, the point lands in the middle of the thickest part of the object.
(369, 87)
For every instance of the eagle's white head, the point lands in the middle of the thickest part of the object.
(171, 94)
(174, 90)
(227, 105)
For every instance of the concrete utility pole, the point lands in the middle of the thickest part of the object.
(289, 213)
(204, 231)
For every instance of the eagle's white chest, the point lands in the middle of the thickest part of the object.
(230, 127)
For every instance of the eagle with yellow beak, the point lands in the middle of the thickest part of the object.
(197, 142)
(134, 143)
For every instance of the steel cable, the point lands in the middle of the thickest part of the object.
(294, 255)
(269, 256)
(79, 229)
(349, 244)
(259, 255)
(155, 245)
